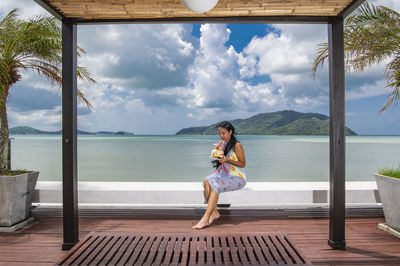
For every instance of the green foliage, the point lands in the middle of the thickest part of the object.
(371, 36)
(275, 123)
(15, 172)
(392, 172)
(33, 44)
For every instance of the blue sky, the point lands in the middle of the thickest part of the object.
(159, 78)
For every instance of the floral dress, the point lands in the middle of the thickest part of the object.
(227, 177)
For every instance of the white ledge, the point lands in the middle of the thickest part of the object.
(191, 193)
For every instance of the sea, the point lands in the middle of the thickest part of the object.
(187, 158)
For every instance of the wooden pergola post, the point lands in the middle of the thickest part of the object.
(69, 135)
(337, 162)
(319, 12)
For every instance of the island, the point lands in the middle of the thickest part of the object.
(24, 130)
(285, 122)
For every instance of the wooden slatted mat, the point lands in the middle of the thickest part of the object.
(185, 249)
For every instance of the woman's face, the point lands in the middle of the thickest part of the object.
(224, 134)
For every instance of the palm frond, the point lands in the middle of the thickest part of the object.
(34, 44)
(48, 70)
(371, 36)
(320, 57)
(371, 33)
(393, 76)
(81, 96)
(84, 74)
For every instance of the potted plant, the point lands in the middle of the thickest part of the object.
(39, 49)
(16, 189)
(388, 182)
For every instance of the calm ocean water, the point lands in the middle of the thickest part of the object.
(186, 158)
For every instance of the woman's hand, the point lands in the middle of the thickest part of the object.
(223, 160)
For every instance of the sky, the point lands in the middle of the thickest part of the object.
(160, 78)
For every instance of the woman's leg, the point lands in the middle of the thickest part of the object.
(207, 188)
(212, 205)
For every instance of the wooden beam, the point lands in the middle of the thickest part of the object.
(337, 134)
(50, 8)
(69, 135)
(351, 7)
(244, 19)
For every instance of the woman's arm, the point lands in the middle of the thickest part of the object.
(240, 154)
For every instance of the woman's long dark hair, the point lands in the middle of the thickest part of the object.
(231, 143)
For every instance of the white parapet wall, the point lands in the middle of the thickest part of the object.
(191, 194)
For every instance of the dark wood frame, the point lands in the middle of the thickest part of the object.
(336, 101)
(69, 135)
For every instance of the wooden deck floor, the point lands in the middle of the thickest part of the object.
(40, 243)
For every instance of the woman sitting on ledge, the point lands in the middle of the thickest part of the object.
(228, 177)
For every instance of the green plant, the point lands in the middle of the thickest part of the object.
(390, 171)
(371, 36)
(16, 172)
(34, 44)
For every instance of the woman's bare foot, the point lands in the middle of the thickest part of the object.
(201, 224)
(214, 216)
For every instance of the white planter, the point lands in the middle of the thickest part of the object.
(15, 197)
(389, 192)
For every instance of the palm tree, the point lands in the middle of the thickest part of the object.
(34, 44)
(371, 36)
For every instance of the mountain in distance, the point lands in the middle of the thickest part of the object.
(275, 123)
(33, 131)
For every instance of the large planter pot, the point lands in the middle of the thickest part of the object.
(389, 192)
(15, 197)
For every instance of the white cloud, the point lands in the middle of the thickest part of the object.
(156, 78)
(26, 8)
(47, 119)
(137, 107)
(393, 4)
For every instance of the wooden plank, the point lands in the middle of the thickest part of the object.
(233, 250)
(258, 252)
(241, 249)
(217, 250)
(71, 257)
(153, 250)
(105, 250)
(289, 247)
(193, 250)
(185, 250)
(106, 260)
(201, 250)
(120, 255)
(225, 250)
(280, 248)
(98, 249)
(177, 251)
(269, 250)
(249, 249)
(161, 250)
(169, 250)
(143, 252)
(82, 257)
(133, 250)
(225, 8)
(209, 250)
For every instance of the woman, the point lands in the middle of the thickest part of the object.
(228, 177)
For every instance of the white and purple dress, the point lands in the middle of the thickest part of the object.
(227, 177)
